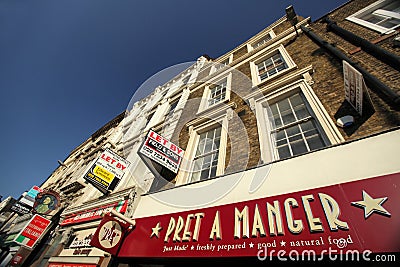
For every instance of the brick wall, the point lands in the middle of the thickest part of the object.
(330, 90)
(328, 86)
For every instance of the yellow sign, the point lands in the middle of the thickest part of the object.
(103, 174)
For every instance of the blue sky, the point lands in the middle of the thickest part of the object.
(67, 67)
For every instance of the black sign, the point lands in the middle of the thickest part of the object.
(21, 208)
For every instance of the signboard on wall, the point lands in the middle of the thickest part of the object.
(21, 208)
(29, 198)
(80, 245)
(107, 170)
(31, 233)
(359, 216)
(354, 86)
(46, 202)
(25, 204)
(94, 214)
(110, 234)
(160, 150)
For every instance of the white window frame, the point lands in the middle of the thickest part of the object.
(375, 7)
(264, 56)
(252, 46)
(221, 64)
(327, 128)
(207, 93)
(184, 174)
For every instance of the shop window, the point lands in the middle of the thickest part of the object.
(205, 162)
(382, 16)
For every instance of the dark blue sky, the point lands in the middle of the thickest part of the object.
(67, 67)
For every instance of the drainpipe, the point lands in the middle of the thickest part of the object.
(375, 50)
(390, 97)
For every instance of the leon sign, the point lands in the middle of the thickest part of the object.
(107, 170)
(162, 151)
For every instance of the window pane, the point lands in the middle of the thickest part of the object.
(288, 117)
(216, 144)
(218, 132)
(315, 142)
(213, 172)
(312, 135)
(284, 152)
(173, 106)
(272, 72)
(390, 23)
(197, 164)
(301, 112)
(207, 162)
(284, 105)
(208, 147)
(298, 147)
(281, 142)
(204, 174)
(294, 130)
(215, 160)
(195, 176)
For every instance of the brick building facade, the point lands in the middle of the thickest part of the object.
(266, 160)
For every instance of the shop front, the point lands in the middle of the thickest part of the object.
(79, 252)
(78, 229)
(338, 203)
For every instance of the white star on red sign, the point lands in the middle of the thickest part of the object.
(371, 205)
(156, 230)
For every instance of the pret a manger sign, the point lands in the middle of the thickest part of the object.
(162, 151)
(359, 215)
(107, 170)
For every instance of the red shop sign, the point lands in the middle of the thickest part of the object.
(17, 259)
(31, 233)
(109, 234)
(94, 214)
(359, 215)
